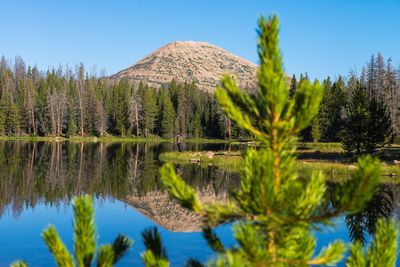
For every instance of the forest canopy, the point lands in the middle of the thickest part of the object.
(66, 102)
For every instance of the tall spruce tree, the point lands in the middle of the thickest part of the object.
(149, 111)
(274, 209)
(121, 105)
(293, 86)
(167, 114)
(367, 127)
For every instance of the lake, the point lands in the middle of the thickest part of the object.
(38, 180)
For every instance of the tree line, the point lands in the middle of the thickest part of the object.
(64, 102)
(376, 89)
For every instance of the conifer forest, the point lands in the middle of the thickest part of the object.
(235, 139)
(72, 102)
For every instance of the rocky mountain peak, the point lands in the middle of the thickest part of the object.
(187, 61)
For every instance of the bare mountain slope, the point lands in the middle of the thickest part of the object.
(167, 213)
(200, 62)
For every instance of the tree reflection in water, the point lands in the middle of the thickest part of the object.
(381, 205)
(54, 172)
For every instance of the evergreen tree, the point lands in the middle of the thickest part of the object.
(274, 210)
(85, 241)
(331, 113)
(12, 122)
(182, 109)
(167, 114)
(321, 122)
(3, 114)
(72, 126)
(392, 93)
(368, 125)
(149, 111)
(135, 110)
(121, 103)
(380, 77)
(371, 77)
(197, 132)
(316, 130)
(293, 86)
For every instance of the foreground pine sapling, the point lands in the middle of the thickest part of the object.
(85, 241)
(274, 211)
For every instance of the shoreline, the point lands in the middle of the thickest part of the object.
(111, 139)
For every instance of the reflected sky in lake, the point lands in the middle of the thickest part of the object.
(21, 236)
(39, 179)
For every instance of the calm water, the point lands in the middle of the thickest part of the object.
(38, 181)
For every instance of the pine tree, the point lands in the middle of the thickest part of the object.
(274, 209)
(316, 130)
(85, 241)
(122, 107)
(135, 110)
(80, 85)
(392, 85)
(320, 124)
(196, 124)
(368, 125)
(149, 111)
(167, 114)
(3, 115)
(293, 86)
(371, 77)
(182, 109)
(13, 120)
(72, 127)
(380, 77)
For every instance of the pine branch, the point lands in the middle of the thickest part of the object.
(60, 253)
(120, 246)
(352, 195)
(178, 189)
(106, 256)
(84, 230)
(330, 255)
(152, 241)
(216, 213)
(19, 264)
(383, 249)
(213, 240)
(194, 263)
(150, 260)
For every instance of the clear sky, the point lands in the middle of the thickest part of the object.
(319, 37)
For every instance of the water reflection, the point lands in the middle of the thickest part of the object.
(382, 205)
(53, 173)
(44, 174)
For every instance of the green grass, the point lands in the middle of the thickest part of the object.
(228, 161)
(323, 147)
(231, 161)
(207, 141)
(339, 171)
(32, 138)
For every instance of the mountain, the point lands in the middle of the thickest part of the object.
(167, 213)
(200, 62)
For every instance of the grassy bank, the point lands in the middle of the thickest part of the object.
(231, 161)
(79, 139)
(226, 160)
(115, 139)
(323, 147)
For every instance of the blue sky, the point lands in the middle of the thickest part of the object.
(319, 37)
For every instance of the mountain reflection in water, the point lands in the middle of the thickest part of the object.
(53, 173)
(37, 179)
